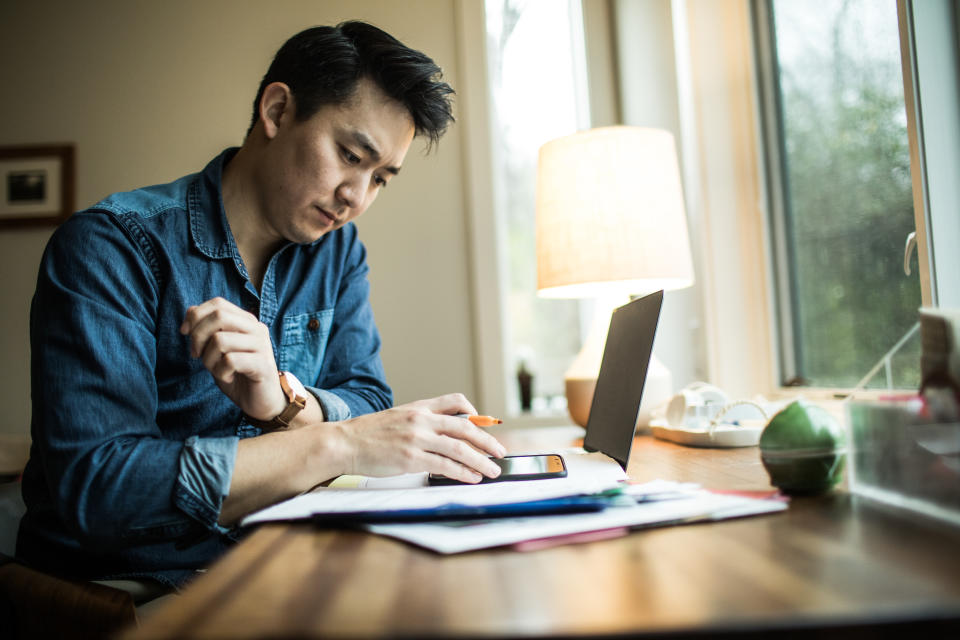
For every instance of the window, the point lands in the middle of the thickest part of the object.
(930, 31)
(536, 70)
(840, 188)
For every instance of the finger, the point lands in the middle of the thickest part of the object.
(465, 430)
(461, 452)
(247, 364)
(221, 320)
(216, 309)
(444, 466)
(451, 404)
(195, 313)
(224, 342)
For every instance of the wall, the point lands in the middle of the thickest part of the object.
(150, 91)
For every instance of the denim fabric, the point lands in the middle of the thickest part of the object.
(133, 442)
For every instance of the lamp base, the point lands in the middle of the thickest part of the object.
(579, 398)
(657, 389)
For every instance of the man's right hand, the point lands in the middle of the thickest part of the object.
(235, 347)
(421, 436)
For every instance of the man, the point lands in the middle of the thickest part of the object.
(172, 327)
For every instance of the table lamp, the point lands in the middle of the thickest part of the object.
(610, 224)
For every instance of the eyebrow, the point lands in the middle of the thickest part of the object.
(367, 143)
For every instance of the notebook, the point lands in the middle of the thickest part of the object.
(623, 373)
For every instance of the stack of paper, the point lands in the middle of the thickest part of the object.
(594, 497)
(658, 503)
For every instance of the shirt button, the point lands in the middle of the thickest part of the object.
(313, 325)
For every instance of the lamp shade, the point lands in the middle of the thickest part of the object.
(610, 214)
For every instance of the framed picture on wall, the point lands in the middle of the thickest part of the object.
(36, 185)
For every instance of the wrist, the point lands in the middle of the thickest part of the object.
(294, 400)
(326, 448)
(312, 413)
(334, 447)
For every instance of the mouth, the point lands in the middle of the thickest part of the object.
(329, 217)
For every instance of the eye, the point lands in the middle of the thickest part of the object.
(380, 182)
(349, 156)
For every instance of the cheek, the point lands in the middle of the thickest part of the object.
(320, 175)
(324, 180)
(313, 168)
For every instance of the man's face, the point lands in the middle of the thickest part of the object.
(325, 171)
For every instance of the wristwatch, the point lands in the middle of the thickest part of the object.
(296, 398)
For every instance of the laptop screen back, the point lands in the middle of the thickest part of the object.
(623, 372)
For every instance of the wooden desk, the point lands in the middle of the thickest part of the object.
(832, 565)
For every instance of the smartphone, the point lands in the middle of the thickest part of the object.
(536, 467)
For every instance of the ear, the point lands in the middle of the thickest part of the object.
(276, 107)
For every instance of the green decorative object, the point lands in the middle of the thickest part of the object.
(803, 449)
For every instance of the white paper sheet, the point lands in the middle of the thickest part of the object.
(587, 473)
(457, 537)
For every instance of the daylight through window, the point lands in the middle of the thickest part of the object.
(537, 89)
(840, 187)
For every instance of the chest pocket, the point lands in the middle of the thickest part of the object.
(303, 344)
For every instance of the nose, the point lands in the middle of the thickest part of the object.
(350, 191)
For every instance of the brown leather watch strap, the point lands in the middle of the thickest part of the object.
(296, 405)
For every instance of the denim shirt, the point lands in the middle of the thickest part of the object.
(133, 442)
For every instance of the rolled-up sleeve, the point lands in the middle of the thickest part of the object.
(110, 471)
(333, 407)
(206, 467)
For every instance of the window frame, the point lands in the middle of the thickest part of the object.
(931, 66)
(778, 206)
(725, 192)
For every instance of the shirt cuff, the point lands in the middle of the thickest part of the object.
(334, 408)
(206, 468)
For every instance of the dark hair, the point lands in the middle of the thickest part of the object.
(322, 66)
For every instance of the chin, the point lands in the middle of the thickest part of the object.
(310, 238)
(315, 237)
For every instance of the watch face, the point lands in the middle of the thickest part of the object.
(295, 385)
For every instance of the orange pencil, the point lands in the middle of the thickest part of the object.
(482, 421)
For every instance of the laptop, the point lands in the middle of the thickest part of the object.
(612, 422)
(623, 373)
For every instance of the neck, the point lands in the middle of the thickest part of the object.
(255, 241)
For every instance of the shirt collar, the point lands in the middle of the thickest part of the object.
(208, 221)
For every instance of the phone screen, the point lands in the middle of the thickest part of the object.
(536, 467)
